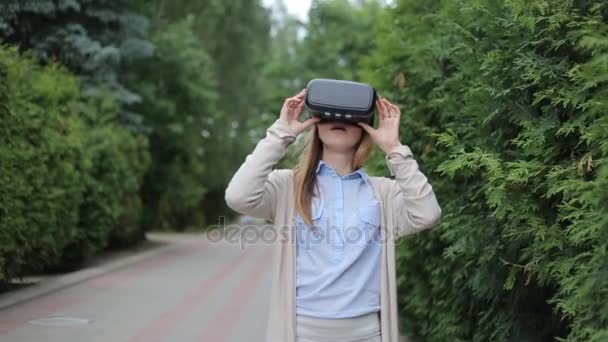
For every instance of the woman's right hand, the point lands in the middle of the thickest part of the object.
(292, 110)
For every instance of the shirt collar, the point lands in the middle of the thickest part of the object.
(359, 171)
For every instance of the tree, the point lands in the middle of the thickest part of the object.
(93, 38)
(179, 93)
(235, 34)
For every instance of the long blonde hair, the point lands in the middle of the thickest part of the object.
(304, 171)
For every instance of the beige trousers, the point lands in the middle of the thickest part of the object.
(364, 328)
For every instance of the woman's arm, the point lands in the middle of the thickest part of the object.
(415, 206)
(253, 188)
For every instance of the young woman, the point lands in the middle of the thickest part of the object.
(334, 262)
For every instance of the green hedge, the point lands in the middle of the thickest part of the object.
(69, 175)
(505, 104)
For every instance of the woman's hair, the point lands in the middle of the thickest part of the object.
(304, 171)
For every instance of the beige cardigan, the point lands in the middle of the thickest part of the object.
(256, 189)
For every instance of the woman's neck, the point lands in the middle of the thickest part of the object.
(340, 161)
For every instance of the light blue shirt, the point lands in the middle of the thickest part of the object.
(338, 264)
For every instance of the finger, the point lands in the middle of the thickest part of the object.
(381, 110)
(389, 111)
(291, 99)
(310, 122)
(389, 108)
(301, 94)
(388, 103)
(298, 109)
(287, 102)
(294, 103)
(383, 104)
(297, 96)
(378, 106)
(290, 105)
(366, 127)
(397, 110)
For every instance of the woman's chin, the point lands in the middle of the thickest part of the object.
(337, 144)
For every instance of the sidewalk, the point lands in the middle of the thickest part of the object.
(107, 261)
(169, 264)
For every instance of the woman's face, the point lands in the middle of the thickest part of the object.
(339, 136)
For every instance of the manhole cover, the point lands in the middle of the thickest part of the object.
(59, 321)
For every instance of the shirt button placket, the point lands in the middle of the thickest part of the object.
(339, 242)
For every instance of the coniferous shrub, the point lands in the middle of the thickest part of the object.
(92, 38)
(505, 104)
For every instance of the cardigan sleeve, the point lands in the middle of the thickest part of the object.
(415, 206)
(254, 187)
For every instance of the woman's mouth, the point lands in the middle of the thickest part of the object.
(338, 127)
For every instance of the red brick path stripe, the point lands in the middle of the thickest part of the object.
(222, 326)
(162, 326)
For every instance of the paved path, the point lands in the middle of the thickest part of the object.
(194, 291)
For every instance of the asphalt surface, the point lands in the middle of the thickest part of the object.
(196, 290)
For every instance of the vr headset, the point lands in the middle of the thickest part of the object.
(339, 100)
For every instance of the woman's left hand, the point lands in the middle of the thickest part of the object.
(386, 136)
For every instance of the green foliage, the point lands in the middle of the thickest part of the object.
(92, 38)
(108, 45)
(66, 168)
(117, 161)
(180, 100)
(338, 36)
(235, 35)
(41, 187)
(504, 104)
